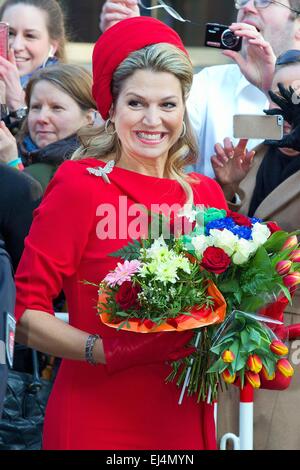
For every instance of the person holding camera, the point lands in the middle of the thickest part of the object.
(267, 187)
(218, 92)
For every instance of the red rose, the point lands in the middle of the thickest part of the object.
(273, 227)
(215, 260)
(126, 297)
(239, 219)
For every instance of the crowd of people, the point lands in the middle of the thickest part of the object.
(165, 136)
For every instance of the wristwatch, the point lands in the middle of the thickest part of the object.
(19, 113)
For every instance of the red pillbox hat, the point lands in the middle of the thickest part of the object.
(115, 44)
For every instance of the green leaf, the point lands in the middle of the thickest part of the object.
(276, 240)
(219, 366)
(255, 337)
(261, 259)
(228, 286)
(244, 337)
(241, 361)
(129, 252)
(269, 364)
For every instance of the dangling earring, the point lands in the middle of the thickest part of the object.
(183, 130)
(108, 123)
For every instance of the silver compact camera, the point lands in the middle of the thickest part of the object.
(221, 37)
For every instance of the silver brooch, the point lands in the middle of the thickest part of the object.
(103, 172)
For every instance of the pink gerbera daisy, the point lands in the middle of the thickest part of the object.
(122, 273)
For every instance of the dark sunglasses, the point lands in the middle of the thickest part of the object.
(289, 57)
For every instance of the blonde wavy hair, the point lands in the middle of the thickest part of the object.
(97, 142)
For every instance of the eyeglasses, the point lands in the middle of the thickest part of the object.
(289, 57)
(262, 4)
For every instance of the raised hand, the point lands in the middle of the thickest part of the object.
(231, 165)
(114, 11)
(289, 107)
(257, 60)
(10, 75)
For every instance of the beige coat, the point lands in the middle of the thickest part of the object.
(276, 414)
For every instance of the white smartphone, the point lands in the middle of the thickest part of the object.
(256, 126)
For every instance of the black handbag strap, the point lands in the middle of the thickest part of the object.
(36, 383)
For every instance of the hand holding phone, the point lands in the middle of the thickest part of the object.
(252, 126)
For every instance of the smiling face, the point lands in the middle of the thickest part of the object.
(53, 114)
(275, 23)
(288, 75)
(28, 37)
(148, 116)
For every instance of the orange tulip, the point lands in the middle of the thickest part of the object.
(253, 378)
(295, 256)
(290, 243)
(228, 356)
(254, 363)
(284, 366)
(266, 375)
(283, 267)
(279, 348)
(227, 377)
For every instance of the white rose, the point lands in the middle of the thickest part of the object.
(244, 248)
(224, 239)
(260, 234)
(200, 243)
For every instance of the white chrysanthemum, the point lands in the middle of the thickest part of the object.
(224, 239)
(158, 246)
(167, 272)
(184, 264)
(148, 268)
(260, 234)
(244, 248)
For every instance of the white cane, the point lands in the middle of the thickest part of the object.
(245, 440)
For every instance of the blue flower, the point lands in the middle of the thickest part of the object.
(228, 223)
(254, 220)
(242, 232)
(220, 224)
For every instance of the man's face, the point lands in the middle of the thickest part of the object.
(275, 23)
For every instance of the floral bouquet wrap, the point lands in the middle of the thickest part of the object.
(213, 279)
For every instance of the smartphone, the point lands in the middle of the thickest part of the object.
(252, 126)
(220, 36)
(4, 34)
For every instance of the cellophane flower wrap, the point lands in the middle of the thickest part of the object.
(214, 279)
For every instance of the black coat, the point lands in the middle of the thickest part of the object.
(7, 305)
(19, 196)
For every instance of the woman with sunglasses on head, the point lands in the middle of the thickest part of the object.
(110, 392)
(36, 40)
(267, 186)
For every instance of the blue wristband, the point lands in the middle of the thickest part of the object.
(15, 162)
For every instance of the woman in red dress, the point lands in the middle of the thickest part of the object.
(110, 391)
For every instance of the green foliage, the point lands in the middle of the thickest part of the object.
(128, 252)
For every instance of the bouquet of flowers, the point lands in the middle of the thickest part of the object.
(213, 279)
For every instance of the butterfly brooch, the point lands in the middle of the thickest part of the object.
(103, 172)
